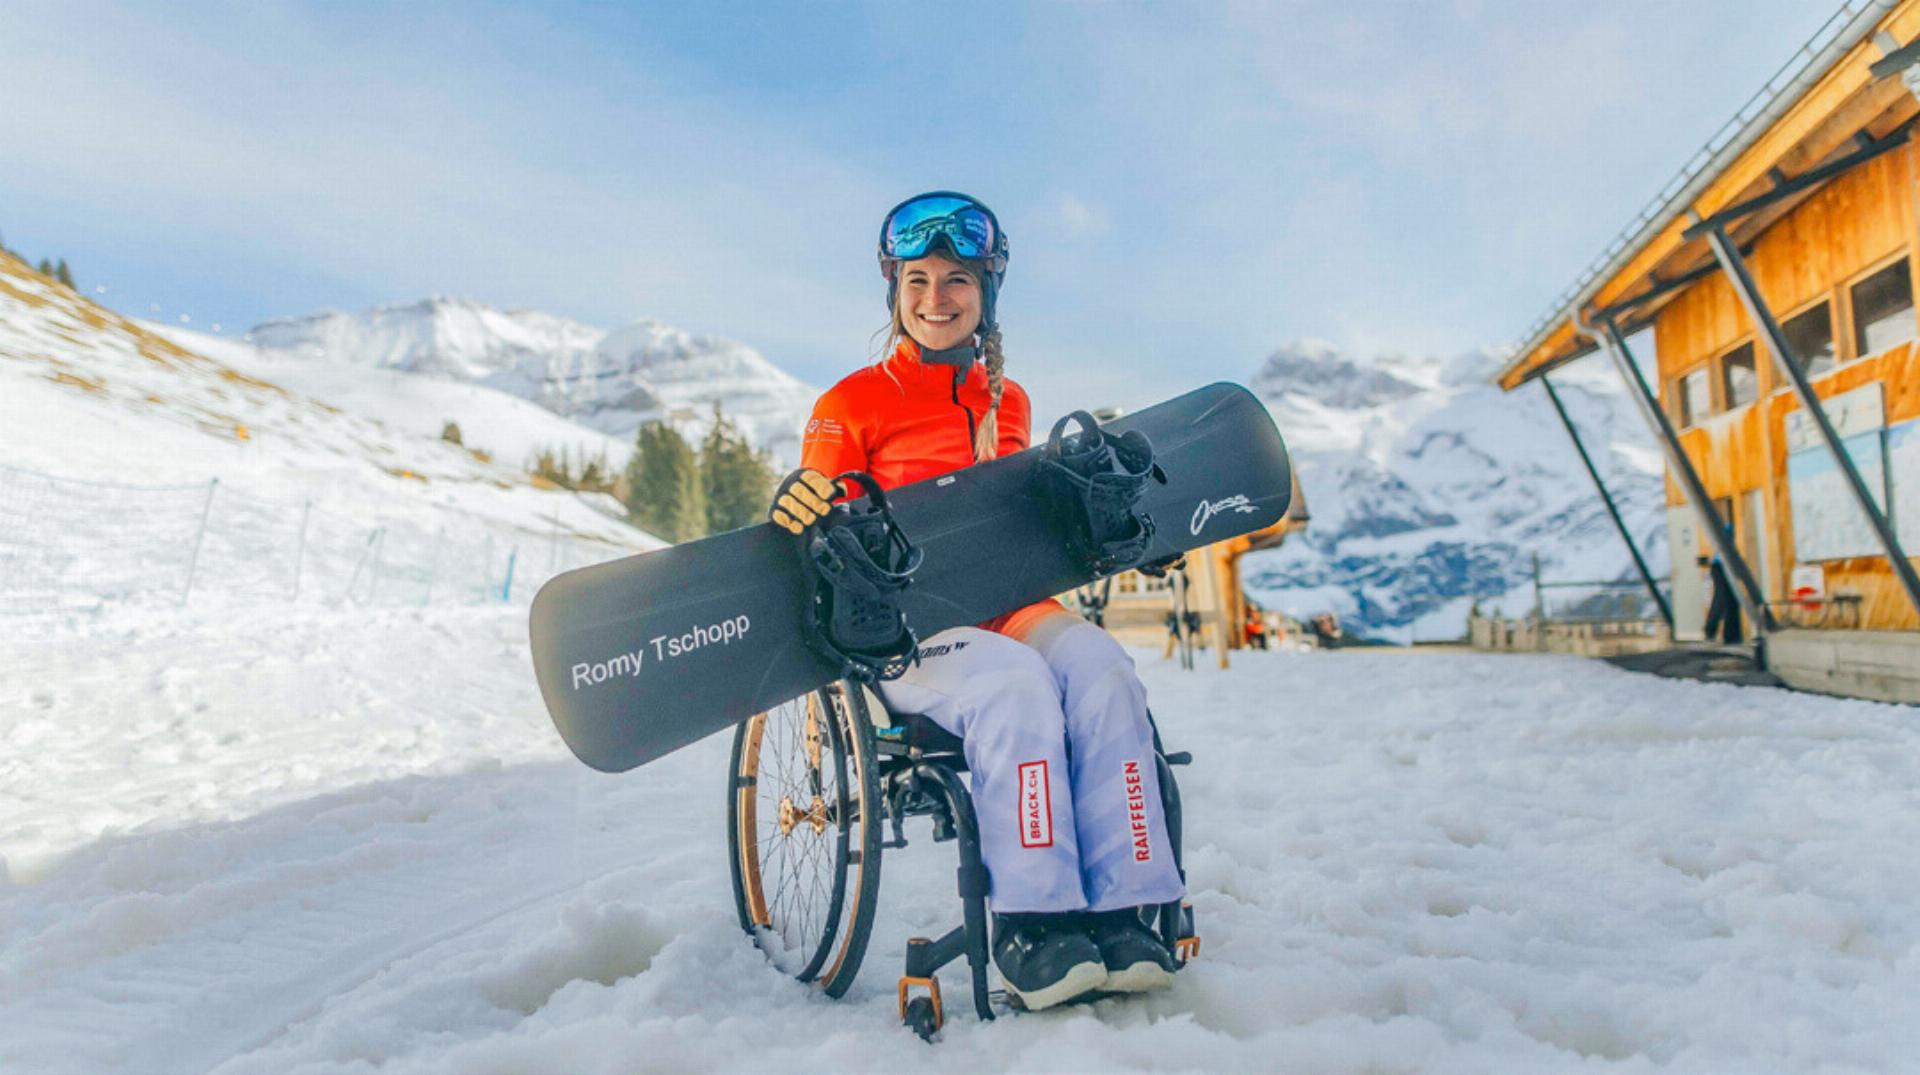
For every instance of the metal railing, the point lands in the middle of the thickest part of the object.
(70, 545)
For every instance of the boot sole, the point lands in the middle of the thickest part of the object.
(1078, 982)
(1143, 977)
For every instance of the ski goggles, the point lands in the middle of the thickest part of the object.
(969, 229)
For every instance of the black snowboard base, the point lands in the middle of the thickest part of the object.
(643, 655)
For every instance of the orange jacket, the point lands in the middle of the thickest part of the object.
(905, 421)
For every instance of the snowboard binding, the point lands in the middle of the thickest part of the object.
(859, 561)
(1097, 480)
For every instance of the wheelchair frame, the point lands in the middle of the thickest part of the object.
(841, 762)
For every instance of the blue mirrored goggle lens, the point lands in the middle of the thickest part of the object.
(914, 227)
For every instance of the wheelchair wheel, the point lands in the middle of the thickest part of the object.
(803, 833)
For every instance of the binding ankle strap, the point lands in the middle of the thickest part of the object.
(859, 560)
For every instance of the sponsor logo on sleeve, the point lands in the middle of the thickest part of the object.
(1137, 811)
(1036, 806)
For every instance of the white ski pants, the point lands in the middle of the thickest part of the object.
(1061, 759)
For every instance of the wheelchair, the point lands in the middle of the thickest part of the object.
(818, 788)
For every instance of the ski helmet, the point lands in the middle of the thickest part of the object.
(959, 224)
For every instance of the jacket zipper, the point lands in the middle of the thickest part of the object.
(972, 433)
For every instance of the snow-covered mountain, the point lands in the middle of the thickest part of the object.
(607, 381)
(1430, 488)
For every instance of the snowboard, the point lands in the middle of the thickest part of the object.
(641, 656)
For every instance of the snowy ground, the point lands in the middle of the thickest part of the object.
(340, 840)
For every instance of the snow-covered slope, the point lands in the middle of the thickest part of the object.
(323, 843)
(1430, 488)
(608, 381)
(506, 427)
(305, 484)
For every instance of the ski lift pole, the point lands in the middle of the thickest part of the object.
(486, 568)
(433, 565)
(199, 539)
(300, 554)
(373, 536)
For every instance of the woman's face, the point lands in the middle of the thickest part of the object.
(939, 302)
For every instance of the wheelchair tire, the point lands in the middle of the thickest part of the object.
(803, 833)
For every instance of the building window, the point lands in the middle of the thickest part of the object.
(1692, 397)
(1739, 384)
(1810, 338)
(1883, 310)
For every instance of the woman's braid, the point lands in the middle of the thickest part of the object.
(986, 443)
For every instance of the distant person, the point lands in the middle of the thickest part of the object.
(1256, 630)
(1326, 629)
(1723, 612)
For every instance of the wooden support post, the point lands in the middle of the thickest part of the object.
(1762, 315)
(1746, 590)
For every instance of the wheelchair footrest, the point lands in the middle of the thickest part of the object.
(908, 983)
(1186, 948)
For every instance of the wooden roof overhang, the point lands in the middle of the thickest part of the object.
(1841, 117)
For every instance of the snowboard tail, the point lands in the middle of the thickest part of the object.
(643, 655)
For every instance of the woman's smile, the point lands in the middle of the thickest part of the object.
(939, 302)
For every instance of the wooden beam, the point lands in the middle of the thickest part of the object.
(1825, 117)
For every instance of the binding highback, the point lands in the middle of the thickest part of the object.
(1096, 481)
(859, 561)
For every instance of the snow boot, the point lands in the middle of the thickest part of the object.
(1046, 959)
(1132, 955)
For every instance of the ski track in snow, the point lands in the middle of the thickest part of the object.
(335, 841)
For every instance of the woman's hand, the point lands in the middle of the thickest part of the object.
(802, 499)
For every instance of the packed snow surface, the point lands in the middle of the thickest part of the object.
(340, 840)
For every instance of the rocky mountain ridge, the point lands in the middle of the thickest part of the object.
(1431, 489)
(607, 381)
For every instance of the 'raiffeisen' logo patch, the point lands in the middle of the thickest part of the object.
(1137, 811)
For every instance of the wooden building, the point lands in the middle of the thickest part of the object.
(1775, 269)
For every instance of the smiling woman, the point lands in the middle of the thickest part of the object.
(1054, 720)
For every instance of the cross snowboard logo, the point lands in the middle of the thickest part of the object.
(1209, 508)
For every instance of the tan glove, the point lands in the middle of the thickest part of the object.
(802, 499)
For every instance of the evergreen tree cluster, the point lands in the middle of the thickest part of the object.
(580, 472)
(679, 494)
(52, 270)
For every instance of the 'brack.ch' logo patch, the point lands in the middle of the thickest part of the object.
(1036, 806)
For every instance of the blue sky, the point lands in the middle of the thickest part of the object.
(1187, 185)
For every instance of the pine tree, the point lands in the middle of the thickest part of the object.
(63, 274)
(665, 495)
(451, 433)
(45, 268)
(739, 480)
